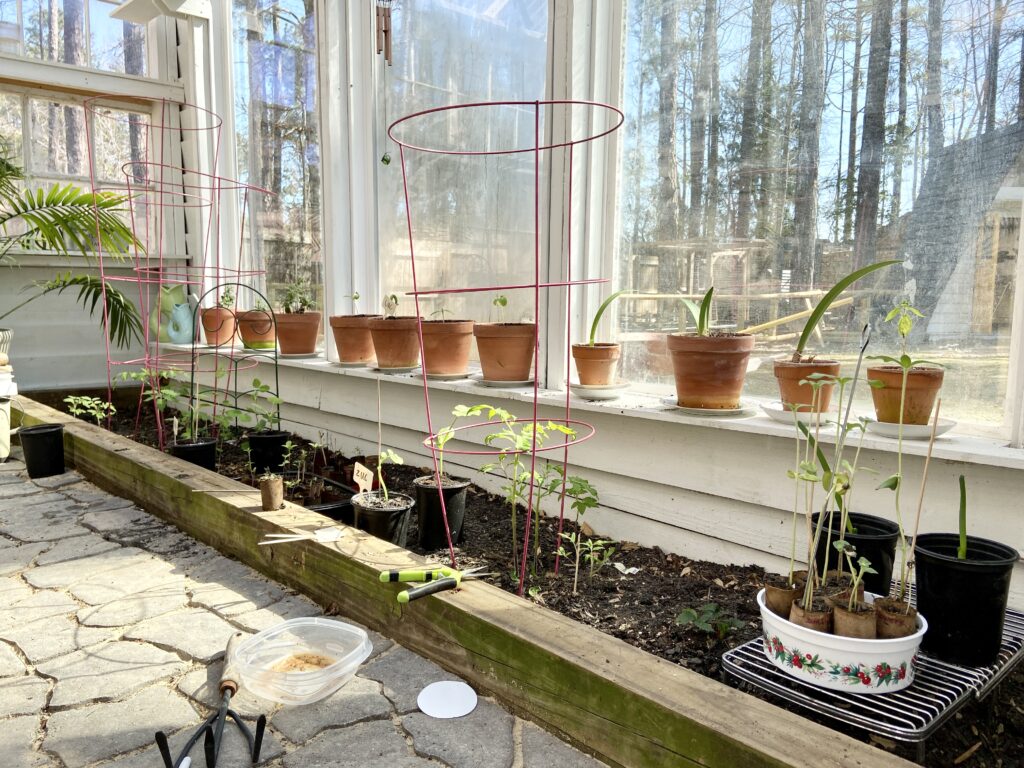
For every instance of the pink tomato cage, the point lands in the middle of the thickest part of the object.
(536, 146)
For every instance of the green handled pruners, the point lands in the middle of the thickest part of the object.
(436, 579)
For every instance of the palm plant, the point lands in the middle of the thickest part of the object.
(69, 221)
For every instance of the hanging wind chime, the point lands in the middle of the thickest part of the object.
(383, 34)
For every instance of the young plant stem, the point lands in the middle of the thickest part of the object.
(920, 502)
(796, 499)
(905, 565)
(961, 550)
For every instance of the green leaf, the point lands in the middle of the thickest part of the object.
(892, 483)
(600, 313)
(705, 313)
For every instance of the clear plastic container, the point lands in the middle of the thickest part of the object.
(328, 652)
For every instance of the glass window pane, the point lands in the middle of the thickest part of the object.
(473, 217)
(58, 139)
(55, 32)
(115, 46)
(768, 153)
(11, 127)
(118, 137)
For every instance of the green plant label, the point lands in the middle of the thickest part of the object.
(363, 477)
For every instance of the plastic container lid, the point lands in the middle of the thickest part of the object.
(266, 660)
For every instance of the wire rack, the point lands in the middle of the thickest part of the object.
(911, 715)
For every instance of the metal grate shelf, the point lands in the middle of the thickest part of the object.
(911, 715)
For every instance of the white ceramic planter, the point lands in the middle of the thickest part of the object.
(840, 663)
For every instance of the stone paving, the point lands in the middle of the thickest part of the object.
(113, 625)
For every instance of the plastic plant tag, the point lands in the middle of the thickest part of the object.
(446, 699)
(363, 477)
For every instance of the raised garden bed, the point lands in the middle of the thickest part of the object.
(615, 700)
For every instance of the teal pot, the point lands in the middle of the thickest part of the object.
(964, 600)
(388, 520)
(43, 446)
(200, 452)
(432, 533)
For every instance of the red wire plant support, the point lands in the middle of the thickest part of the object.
(536, 147)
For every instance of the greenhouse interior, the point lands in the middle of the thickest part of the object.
(512, 383)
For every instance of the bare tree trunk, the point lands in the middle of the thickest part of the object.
(933, 88)
(135, 64)
(851, 146)
(873, 134)
(766, 141)
(74, 53)
(900, 148)
(748, 126)
(988, 123)
(1020, 83)
(52, 111)
(699, 125)
(714, 127)
(667, 225)
(812, 103)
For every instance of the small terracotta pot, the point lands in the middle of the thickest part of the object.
(923, 386)
(709, 370)
(893, 620)
(819, 618)
(297, 332)
(446, 346)
(272, 492)
(219, 326)
(856, 623)
(395, 341)
(256, 327)
(352, 337)
(596, 365)
(506, 350)
(789, 375)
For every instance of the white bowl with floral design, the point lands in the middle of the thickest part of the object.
(840, 663)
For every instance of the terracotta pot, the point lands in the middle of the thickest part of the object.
(506, 350)
(395, 341)
(297, 332)
(709, 370)
(352, 337)
(446, 346)
(272, 492)
(893, 620)
(219, 326)
(596, 365)
(856, 623)
(256, 327)
(819, 618)
(789, 375)
(923, 386)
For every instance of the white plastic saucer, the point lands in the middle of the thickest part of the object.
(298, 355)
(447, 699)
(598, 391)
(479, 379)
(743, 410)
(910, 431)
(400, 369)
(778, 412)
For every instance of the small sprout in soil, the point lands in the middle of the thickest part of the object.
(499, 303)
(961, 550)
(709, 618)
(390, 304)
(94, 407)
(442, 311)
(227, 298)
(386, 455)
(862, 566)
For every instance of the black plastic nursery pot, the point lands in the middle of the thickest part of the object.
(43, 446)
(963, 600)
(388, 524)
(334, 502)
(200, 452)
(876, 539)
(432, 534)
(266, 450)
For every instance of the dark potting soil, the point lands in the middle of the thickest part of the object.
(641, 606)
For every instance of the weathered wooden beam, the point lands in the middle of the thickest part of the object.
(625, 705)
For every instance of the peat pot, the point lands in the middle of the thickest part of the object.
(789, 375)
(596, 365)
(297, 332)
(352, 338)
(43, 446)
(876, 539)
(200, 452)
(840, 663)
(432, 534)
(923, 385)
(966, 598)
(709, 370)
(388, 520)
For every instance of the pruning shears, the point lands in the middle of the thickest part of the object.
(436, 579)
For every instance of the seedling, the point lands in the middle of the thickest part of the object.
(961, 550)
(584, 497)
(298, 297)
(386, 455)
(599, 314)
(390, 304)
(442, 311)
(856, 571)
(709, 618)
(701, 314)
(500, 302)
(94, 407)
(227, 298)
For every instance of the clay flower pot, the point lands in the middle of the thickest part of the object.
(219, 326)
(709, 370)
(596, 365)
(446, 347)
(272, 492)
(396, 341)
(297, 332)
(256, 327)
(790, 374)
(506, 350)
(923, 386)
(352, 337)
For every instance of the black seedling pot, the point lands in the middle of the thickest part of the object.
(428, 508)
(335, 501)
(266, 450)
(200, 452)
(963, 600)
(875, 539)
(388, 524)
(43, 446)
